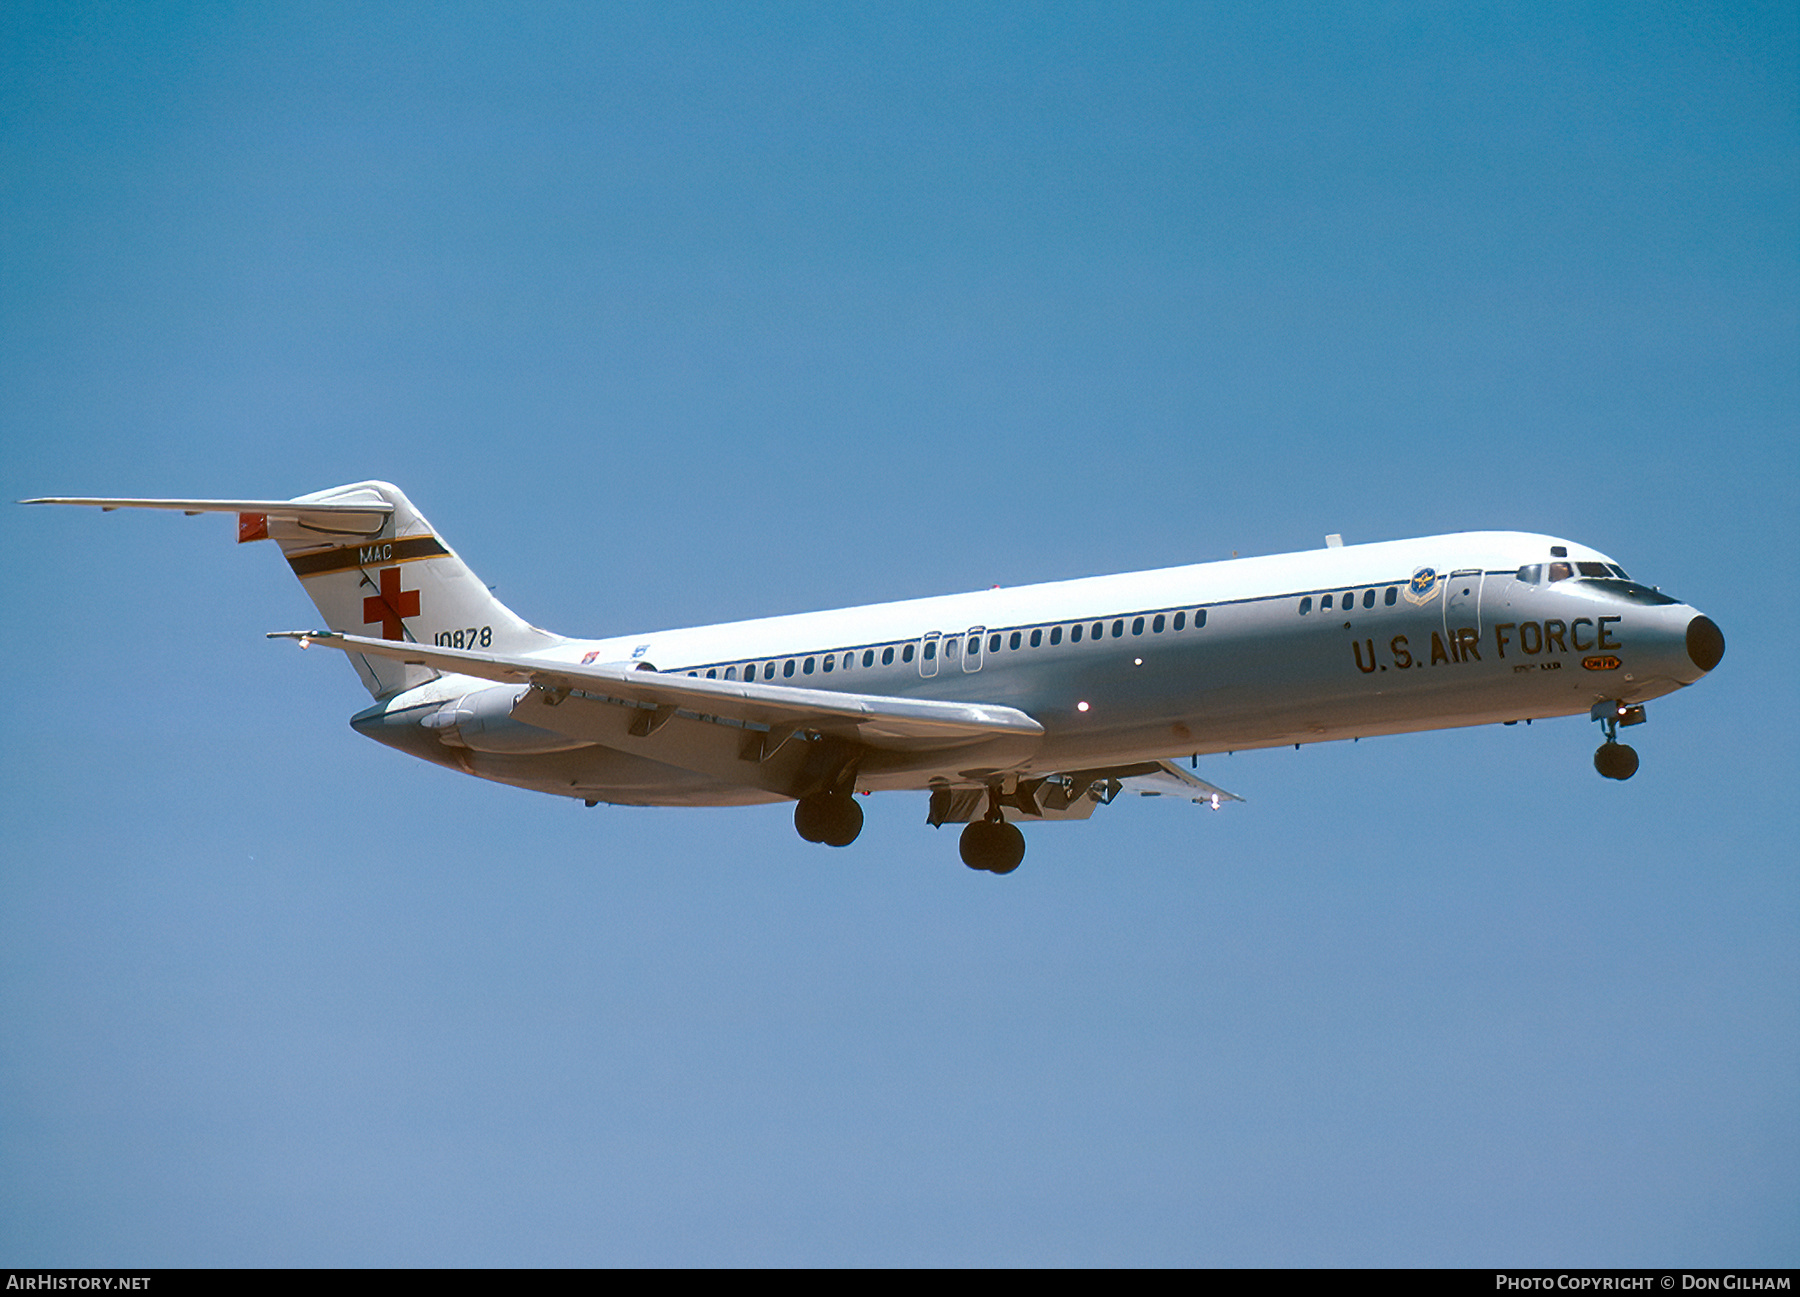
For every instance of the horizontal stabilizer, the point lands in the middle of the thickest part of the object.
(362, 513)
(876, 720)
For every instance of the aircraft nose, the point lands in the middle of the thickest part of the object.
(1705, 642)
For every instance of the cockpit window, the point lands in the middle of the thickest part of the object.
(1533, 573)
(1629, 591)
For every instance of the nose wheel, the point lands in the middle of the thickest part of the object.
(1616, 760)
(1612, 758)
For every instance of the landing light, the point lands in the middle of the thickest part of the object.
(1081, 707)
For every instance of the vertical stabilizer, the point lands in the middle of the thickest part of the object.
(400, 582)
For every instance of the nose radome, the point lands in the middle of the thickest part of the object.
(1705, 643)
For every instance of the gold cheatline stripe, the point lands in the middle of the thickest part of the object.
(374, 554)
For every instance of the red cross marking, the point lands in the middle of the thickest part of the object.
(391, 605)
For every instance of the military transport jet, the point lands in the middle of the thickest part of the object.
(1006, 705)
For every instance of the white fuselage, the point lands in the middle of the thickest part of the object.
(1294, 648)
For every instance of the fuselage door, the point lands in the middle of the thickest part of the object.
(928, 652)
(972, 647)
(1462, 601)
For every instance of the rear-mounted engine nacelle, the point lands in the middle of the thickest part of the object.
(483, 722)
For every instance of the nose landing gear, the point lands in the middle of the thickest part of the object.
(1612, 758)
(1616, 760)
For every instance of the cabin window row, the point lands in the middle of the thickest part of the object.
(1347, 600)
(1036, 637)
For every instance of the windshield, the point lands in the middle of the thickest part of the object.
(1538, 573)
(1629, 591)
(1607, 579)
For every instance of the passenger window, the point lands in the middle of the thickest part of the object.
(906, 654)
(1199, 618)
(1325, 603)
(1349, 600)
(830, 661)
(930, 650)
(849, 659)
(1056, 634)
(1099, 629)
(712, 673)
(769, 670)
(1157, 625)
(1037, 637)
(869, 657)
(1306, 605)
(787, 668)
(1014, 641)
(731, 673)
(1392, 594)
(1119, 629)
(1368, 598)
(973, 647)
(949, 648)
(993, 643)
(1075, 633)
(1137, 626)
(1180, 621)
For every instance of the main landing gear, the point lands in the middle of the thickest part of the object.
(991, 843)
(1612, 758)
(833, 818)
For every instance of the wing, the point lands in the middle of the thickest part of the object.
(1073, 794)
(1167, 779)
(873, 720)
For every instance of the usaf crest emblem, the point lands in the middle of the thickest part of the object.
(1423, 587)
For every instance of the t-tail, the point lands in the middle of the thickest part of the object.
(373, 566)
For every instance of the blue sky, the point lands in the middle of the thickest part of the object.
(681, 313)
